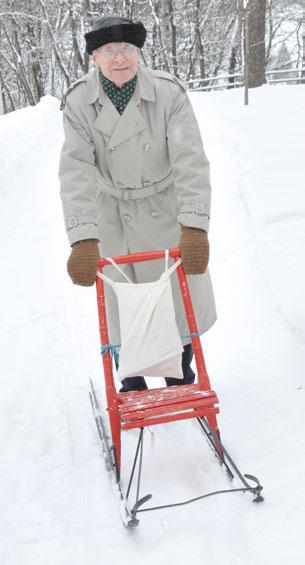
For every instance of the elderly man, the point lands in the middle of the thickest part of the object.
(134, 176)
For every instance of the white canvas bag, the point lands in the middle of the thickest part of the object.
(150, 341)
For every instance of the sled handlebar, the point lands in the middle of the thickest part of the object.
(174, 252)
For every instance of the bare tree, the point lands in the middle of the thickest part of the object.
(173, 37)
(256, 45)
(42, 47)
(198, 39)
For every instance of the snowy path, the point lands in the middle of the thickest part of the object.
(55, 500)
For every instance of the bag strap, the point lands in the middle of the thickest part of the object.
(166, 256)
(119, 269)
(169, 271)
(107, 279)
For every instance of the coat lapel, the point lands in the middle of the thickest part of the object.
(130, 123)
(109, 121)
(108, 117)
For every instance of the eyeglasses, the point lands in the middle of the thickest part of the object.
(126, 50)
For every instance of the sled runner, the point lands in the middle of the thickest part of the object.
(139, 409)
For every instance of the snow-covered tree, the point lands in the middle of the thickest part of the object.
(42, 47)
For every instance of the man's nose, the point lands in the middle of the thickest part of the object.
(119, 58)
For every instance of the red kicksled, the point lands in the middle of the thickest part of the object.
(138, 409)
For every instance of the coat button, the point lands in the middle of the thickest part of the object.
(199, 208)
(126, 218)
(111, 149)
(72, 222)
(146, 147)
(153, 213)
(146, 182)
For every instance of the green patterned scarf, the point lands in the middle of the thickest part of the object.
(118, 96)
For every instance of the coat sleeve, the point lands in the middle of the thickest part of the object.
(190, 164)
(77, 175)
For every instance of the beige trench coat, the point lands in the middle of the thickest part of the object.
(129, 180)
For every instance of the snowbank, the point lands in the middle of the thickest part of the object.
(56, 503)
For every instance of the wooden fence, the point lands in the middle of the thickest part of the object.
(288, 76)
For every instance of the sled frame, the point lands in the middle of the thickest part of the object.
(137, 409)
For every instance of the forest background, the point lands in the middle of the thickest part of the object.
(207, 43)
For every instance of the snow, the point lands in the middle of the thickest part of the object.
(56, 505)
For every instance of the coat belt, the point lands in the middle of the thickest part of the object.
(135, 193)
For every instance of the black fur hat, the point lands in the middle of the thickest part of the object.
(115, 28)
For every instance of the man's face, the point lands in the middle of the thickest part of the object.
(117, 61)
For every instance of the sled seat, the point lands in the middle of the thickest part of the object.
(155, 406)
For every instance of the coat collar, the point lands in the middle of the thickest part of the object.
(109, 121)
(144, 90)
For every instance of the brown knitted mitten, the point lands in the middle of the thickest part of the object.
(194, 247)
(83, 261)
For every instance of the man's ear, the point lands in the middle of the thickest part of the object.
(94, 58)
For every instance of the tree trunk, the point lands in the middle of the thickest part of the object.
(232, 66)
(303, 48)
(174, 37)
(153, 49)
(198, 40)
(157, 18)
(256, 35)
(4, 90)
(34, 62)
